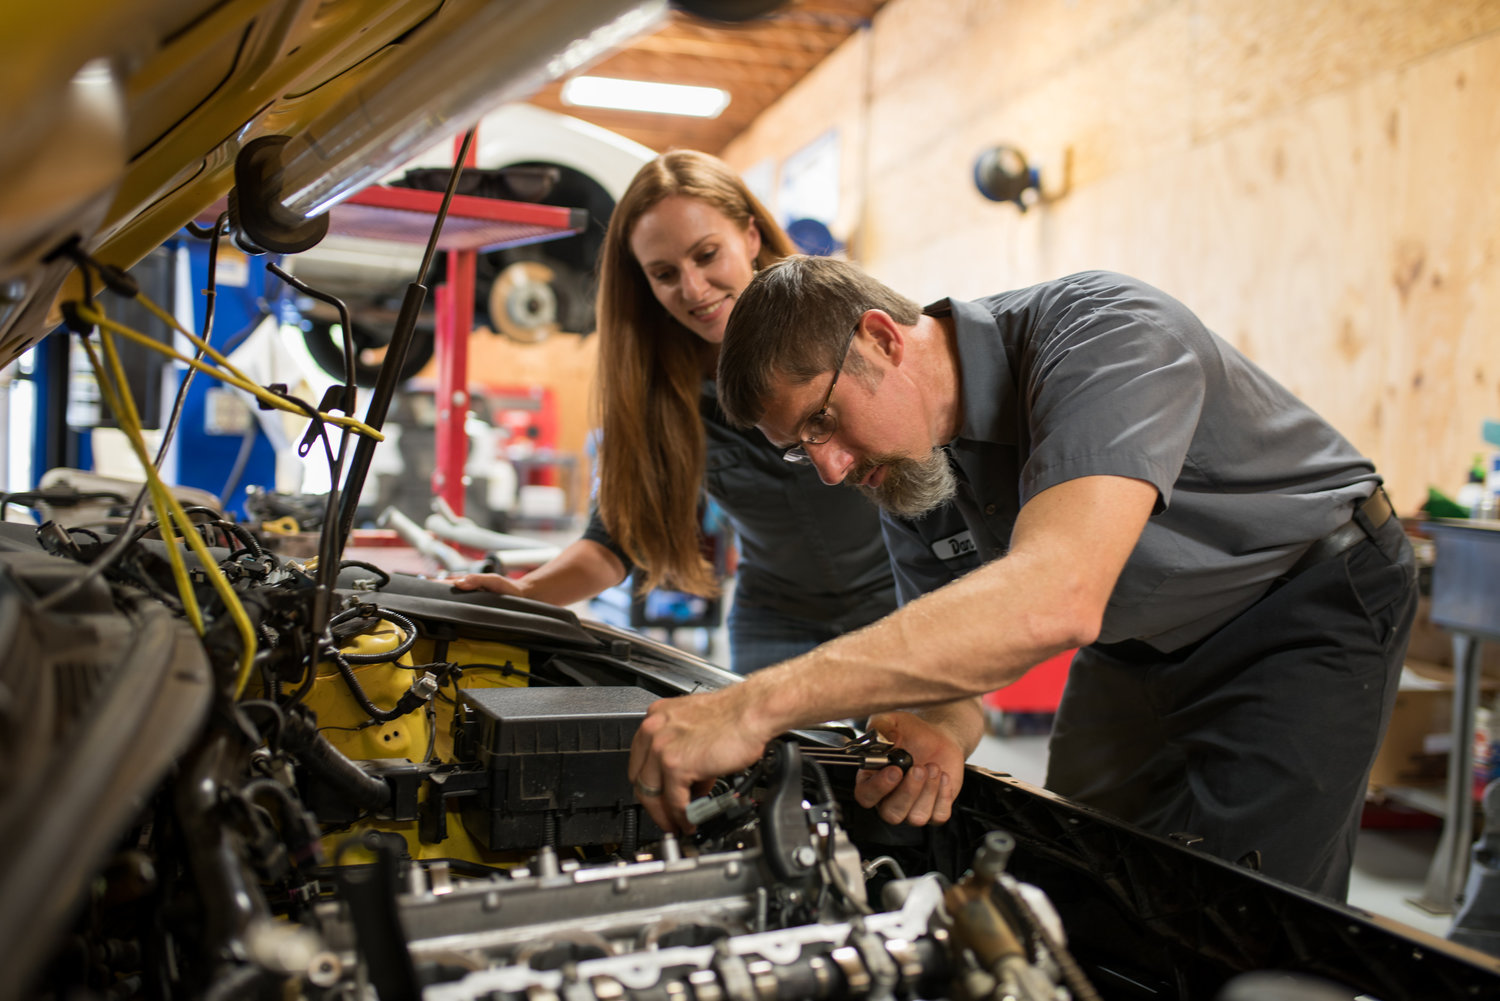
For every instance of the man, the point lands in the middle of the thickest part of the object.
(1077, 464)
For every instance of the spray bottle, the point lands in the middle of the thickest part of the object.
(1471, 495)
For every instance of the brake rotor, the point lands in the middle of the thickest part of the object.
(523, 302)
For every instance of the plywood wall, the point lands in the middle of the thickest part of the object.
(1320, 181)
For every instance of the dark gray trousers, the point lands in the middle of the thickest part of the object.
(1261, 737)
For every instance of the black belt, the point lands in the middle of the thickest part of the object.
(1377, 511)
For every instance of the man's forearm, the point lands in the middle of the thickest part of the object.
(983, 631)
(941, 649)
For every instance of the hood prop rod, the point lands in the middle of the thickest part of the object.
(395, 359)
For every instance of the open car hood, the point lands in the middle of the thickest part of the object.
(124, 121)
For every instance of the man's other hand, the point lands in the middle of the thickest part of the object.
(925, 793)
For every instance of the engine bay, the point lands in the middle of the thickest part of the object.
(438, 808)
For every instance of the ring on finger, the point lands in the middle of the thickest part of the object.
(647, 790)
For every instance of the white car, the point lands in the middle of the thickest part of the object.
(527, 293)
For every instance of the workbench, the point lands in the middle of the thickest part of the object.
(1466, 602)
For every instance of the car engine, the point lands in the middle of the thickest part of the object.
(428, 799)
(477, 839)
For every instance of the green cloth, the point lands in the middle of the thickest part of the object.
(1440, 505)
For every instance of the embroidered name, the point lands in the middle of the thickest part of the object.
(954, 546)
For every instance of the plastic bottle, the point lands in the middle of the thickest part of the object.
(1490, 506)
(1471, 494)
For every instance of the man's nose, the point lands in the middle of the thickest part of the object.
(831, 462)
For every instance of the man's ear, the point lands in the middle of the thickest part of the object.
(887, 338)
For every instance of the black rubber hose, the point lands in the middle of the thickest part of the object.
(408, 702)
(328, 763)
(394, 618)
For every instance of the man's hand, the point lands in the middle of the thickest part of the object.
(682, 746)
(488, 582)
(925, 793)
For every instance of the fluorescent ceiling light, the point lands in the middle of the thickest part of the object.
(638, 95)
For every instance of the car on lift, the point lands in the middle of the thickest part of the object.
(226, 772)
(526, 293)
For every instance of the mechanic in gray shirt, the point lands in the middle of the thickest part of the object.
(812, 564)
(1077, 464)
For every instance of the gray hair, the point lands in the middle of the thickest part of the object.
(792, 320)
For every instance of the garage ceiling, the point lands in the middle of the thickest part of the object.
(757, 62)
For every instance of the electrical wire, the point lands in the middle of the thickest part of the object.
(226, 373)
(211, 295)
(509, 670)
(401, 622)
(117, 395)
(153, 484)
(113, 553)
(229, 528)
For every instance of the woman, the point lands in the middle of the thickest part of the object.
(683, 241)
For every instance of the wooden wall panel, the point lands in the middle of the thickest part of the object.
(1320, 182)
(1252, 58)
(832, 96)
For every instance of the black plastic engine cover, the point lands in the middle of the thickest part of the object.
(557, 759)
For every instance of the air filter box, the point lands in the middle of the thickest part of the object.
(557, 760)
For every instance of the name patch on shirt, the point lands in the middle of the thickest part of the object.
(954, 546)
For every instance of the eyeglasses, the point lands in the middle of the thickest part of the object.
(820, 426)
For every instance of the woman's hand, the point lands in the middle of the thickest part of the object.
(497, 583)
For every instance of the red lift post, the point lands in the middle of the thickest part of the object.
(473, 224)
(455, 319)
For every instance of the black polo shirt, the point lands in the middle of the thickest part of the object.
(1102, 374)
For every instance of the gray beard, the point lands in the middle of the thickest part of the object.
(911, 487)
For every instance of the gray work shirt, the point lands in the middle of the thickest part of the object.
(1102, 374)
(806, 549)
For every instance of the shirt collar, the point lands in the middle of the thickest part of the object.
(985, 374)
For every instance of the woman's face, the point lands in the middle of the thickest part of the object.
(696, 259)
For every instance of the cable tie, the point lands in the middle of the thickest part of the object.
(73, 320)
(279, 388)
(118, 281)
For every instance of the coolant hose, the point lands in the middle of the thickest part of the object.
(328, 763)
